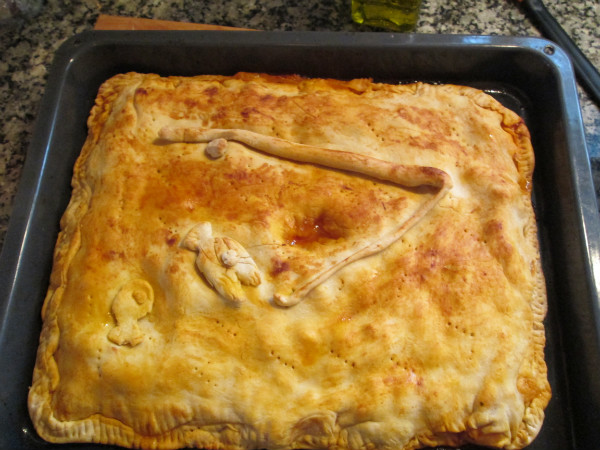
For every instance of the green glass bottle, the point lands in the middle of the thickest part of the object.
(397, 15)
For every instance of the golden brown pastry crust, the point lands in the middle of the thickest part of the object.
(268, 262)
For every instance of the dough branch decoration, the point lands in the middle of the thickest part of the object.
(213, 265)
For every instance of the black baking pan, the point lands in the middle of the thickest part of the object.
(530, 75)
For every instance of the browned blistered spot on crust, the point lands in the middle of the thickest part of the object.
(310, 350)
(269, 98)
(493, 227)
(191, 103)
(497, 187)
(500, 247)
(528, 387)
(246, 112)
(425, 119)
(219, 115)
(516, 127)
(504, 251)
(278, 266)
(211, 91)
(424, 142)
(392, 380)
(112, 255)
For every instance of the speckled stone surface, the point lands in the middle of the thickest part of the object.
(32, 30)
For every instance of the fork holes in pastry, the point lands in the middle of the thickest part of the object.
(460, 329)
(282, 361)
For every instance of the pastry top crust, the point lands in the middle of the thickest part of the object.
(271, 261)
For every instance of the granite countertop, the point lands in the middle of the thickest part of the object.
(32, 30)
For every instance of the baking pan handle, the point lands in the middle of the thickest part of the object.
(585, 70)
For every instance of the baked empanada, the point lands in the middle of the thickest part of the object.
(278, 262)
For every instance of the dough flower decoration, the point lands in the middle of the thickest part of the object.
(224, 262)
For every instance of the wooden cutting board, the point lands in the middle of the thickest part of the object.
(108, 22)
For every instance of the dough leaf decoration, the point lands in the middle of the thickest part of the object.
(133, 302)
(224, 262)
(289, 293)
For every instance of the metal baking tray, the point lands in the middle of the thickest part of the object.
(530, 75)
